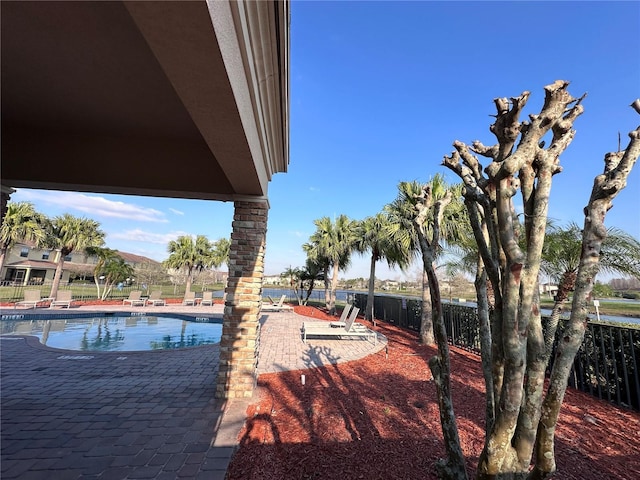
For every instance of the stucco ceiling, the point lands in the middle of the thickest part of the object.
(135, 97)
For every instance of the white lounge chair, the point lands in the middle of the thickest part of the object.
(189, 298)
(63, 298)
(31, 298)
(331, 329)
(134, 299)
(276, 307)
(343, 317)
(207, 298)
(155, 300)
(340, 323)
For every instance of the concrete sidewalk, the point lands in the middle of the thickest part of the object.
(132, 415)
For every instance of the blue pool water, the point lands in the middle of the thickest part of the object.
(117, 333)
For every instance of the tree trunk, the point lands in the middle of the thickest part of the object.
(106, 290)
(3, 255)
(485, 343)
(187, 287)
(453, 467)
(301, 297)
(57, 276)
(371, 294)
(618, 165)
(519, 163)
(96, 280)
(426, 319)
(567, 284)
(308, 293)
(334, 285)
(327, 289)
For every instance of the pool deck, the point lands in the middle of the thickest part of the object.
(133, 415)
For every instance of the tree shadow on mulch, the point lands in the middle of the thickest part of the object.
(378, 418)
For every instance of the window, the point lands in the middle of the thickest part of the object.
(45, 255)
(24, 252)
(67, 258)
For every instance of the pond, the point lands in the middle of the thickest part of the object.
(117, 333)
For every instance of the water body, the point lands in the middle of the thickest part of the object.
(117, 334)
(347, 295)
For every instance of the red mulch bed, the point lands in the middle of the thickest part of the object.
(377, 418)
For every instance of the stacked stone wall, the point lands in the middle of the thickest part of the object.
(243, 297)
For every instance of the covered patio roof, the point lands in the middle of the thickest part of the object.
(161, 98)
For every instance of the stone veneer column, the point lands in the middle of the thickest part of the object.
(241, 328)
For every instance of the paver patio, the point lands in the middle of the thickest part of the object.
(133, 415)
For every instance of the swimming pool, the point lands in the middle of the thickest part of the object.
(116, 333)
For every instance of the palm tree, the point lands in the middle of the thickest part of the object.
(292, 277)
(315, 257)
(401, 230)
(373, 235)
(21, 223)
(67, 234)
(190, 255)
(331, 246)
(103, 255)
(114, 270)
(308, 276)
(110, 267)
(620, 253)
(220, 254)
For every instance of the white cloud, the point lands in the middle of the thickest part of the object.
(177, 212)
(314, 189)
(96, 206)
(297, 233)
(138, 235)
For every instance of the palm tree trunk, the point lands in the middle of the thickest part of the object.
(96, 279)
(187, 286)
(327, 295)
(3, 254)
(57, 276)
(106, 291)
(334, 285)
(370, 296)
(308, 292)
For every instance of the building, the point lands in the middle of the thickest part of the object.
(272, 280)
(26, 264)
(109, 96)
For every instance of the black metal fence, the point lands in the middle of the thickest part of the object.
(87, 291)
(606, 364)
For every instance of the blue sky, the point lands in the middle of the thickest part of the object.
(379, 92)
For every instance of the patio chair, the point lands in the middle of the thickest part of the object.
(340, 323)
(63, 298)
(343, 317)
(134, 299)
(351, 329)
(30, 298)
(277, 307)
(155, 300)
(207, 298)
(189, 298)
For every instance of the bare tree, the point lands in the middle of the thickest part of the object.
(606, 187)
(519, 415)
